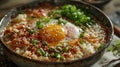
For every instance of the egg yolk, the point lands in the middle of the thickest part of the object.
(52, 33)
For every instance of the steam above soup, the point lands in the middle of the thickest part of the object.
(54, 33)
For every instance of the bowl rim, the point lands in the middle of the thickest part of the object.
(98, 2)
(62, 62)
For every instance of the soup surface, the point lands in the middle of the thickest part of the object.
(54, 33)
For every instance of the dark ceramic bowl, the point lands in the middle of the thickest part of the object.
(85, 62)
(98, 3)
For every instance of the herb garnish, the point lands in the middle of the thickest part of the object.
(31, 17)
(46, 19)
(58, 55)
(115, 48)
(39, 24)
(55, 14)
(82, 41)
(71, 12)
(75, 14)
(65, 49)
(45, 43)
(81, 35)
(34, 42)
(51, 49)
(41, 51)
(31, 31)
(9, 35)
(61, 21)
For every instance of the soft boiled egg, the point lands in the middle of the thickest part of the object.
(52, 33)
(56, 33)
(72, 30)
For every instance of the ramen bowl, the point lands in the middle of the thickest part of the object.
(67, 45)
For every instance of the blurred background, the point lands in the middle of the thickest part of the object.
(6, 5)
(110, 7)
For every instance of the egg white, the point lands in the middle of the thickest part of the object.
(72, 30)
